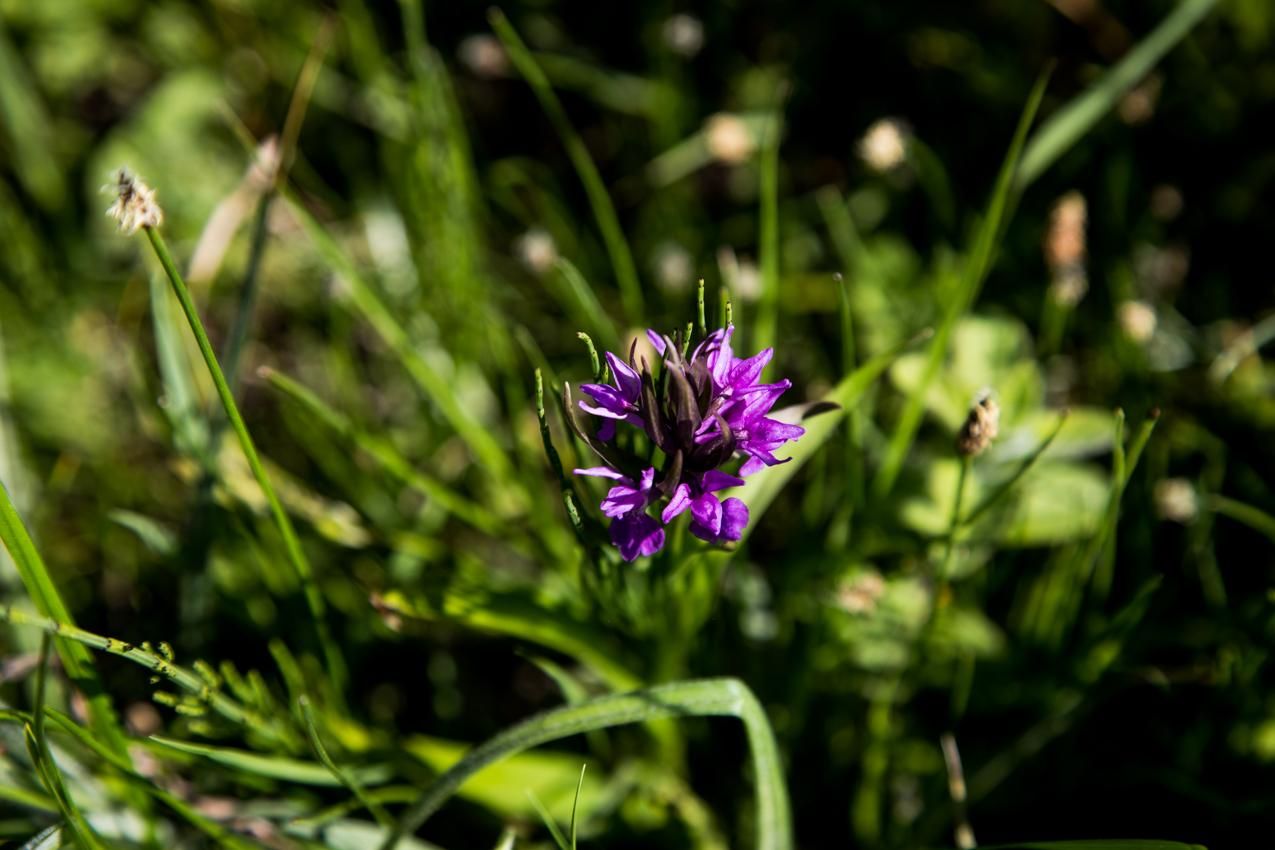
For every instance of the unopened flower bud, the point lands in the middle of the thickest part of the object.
(135, 206)
(537, 250)
(884, 146)
(1065, 239)
(980, 427)
(684, 34)
(860, 594)
(1175, 500)
(728, 138)
(484, 56)
(1137, 320)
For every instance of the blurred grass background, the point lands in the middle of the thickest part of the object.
(444, 233)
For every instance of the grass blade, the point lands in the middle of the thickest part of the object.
(270, 766)
(554, 831)
(46, 767)
(187, 680)
(1255, 518)
(977, 264)
(585, 304)
(523, 618)
(385, 454)
(768, 250)
(45, 839)
(764, 486)
(1069, 124)
(76, 659)
(345, 777)
(1008, 484)
(575, 803)
(477, 435)
(599, 201)
(292, 545)
(695, 698)
(212, 829)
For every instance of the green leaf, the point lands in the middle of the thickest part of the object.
(275, 767)
(703, 697)
(1052, 503)
(212, 829)
(987, 353)
(550, 777)
(762, 488)
(350, 834)
(154, 534)
(1065, 127)
(46, 839)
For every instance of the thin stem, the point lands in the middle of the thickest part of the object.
(343, 776)
(966, 462)
(314, 599)
(183, 678)
(1008, 484)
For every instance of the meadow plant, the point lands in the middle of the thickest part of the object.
(396, 613)
(702, 411)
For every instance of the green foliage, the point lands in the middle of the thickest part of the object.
(320, 454)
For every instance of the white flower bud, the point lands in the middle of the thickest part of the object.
(135, 206)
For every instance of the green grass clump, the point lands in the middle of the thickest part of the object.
(293, 554)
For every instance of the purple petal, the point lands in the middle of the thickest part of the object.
(604, 412)
(746, 372)
(678, 504)
(715, 480)
(772, 430)
(637, 534)
(752, 465)
(609, 397)
(606, 431)
(707, 512)
(627, 381)
(708, 343)
(648, 478)
(601, 472)
(719, 359)
(751, 403)
(734, 518)
(623, 499)
(761, 452)
(657, 341)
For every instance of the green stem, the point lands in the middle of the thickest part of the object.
(314, 599)
(955, 522)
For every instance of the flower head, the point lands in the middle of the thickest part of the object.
(706, 408)
(980, 428)
(135, 206)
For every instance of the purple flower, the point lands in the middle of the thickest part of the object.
(711, 520)
(632, 531)
(614, 403)
(701, 412)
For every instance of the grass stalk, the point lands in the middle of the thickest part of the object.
(292, 545)
(599, 200)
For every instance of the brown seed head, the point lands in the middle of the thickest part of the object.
(135, 206)
(980, 427)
